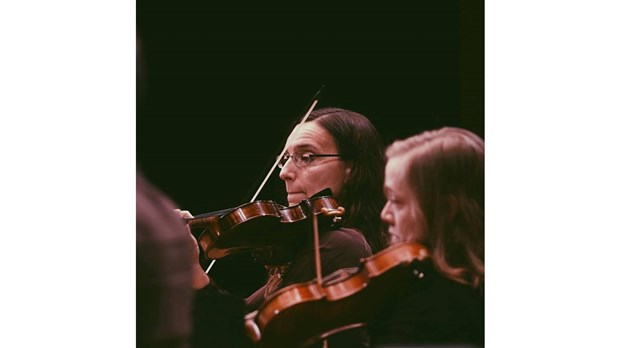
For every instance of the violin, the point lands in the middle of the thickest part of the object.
(302, 314)
(262, 224)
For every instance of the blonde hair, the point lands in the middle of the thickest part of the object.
(445, 170)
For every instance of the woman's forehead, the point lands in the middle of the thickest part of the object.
(396, 170)
(310, 136)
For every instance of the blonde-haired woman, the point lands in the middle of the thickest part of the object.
(434, 184)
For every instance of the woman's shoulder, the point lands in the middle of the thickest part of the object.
(435, 310)
(437, 287)
(345, 238)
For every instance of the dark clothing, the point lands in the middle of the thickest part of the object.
(341, 248)
(437, 311)
(163, 271)
(218, 319)
(218, 316)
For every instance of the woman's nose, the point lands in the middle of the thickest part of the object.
(288, 170)
(386, 216)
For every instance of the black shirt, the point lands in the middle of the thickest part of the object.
(436, 311)
(218, 316)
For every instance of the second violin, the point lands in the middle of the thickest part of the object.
(302, 314)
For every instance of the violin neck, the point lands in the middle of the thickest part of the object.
(213, 213)
(206, 219)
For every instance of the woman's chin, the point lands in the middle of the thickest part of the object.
(295, 198)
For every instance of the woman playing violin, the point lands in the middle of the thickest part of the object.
(434, 184)
(334, 149)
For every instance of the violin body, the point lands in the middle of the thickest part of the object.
(302, 314)
(260, 224)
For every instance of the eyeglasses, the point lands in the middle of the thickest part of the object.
(302, 160)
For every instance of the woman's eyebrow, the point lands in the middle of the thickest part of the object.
(305, 146)
(387, 190)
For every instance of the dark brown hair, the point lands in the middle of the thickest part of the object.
(360, 145)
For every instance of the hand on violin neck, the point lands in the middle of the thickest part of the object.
(186, 215)
(199, 278)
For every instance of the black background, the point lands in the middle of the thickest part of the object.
(221, 82)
